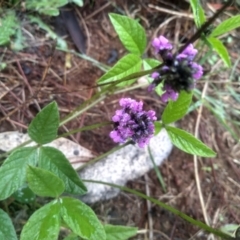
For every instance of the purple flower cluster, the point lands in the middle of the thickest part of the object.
(131, 122)
(178, 72)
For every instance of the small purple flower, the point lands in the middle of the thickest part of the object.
(151, 87)
(116, 137)
(155, 75)
(197, 70)
(161, 43)
(129, 103)
(133, 122)
(189, 52)
(169, 94)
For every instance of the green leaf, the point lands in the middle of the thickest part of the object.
(129, 64)
(43, 224)
(19, 41)
(149, 63)
(77, 2)
(114, 232)
(229, 228)
(220, 49)
(53, 160)
(226, 26)
(13, 170)
(44, 183)
(7, 230)
(198, 13)
(188, 143)
(48, 7)
(159, 89)
(24, 195)
(72, 236)
(130, 32)
(8, 26)
(237, 233)
(43, 128)
(175, 110)
(157, 127)
(81, 219)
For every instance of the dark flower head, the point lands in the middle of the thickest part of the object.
(131, 122)
(180, 76)
(177, 73)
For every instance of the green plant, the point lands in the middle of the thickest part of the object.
(216, 104)
(49, 7)
(10, 26)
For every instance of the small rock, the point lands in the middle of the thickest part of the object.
(124, 165)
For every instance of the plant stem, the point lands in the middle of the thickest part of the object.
(86, 128)
(103, 155)
(170, 209)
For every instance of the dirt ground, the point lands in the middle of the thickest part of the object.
(68, 75)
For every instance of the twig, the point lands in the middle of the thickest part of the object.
(28, 85)
(196, 160)
(150, 220)
(99, 10)
(215, 218)
(233, 182)
(172, 12)
(195, 157)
